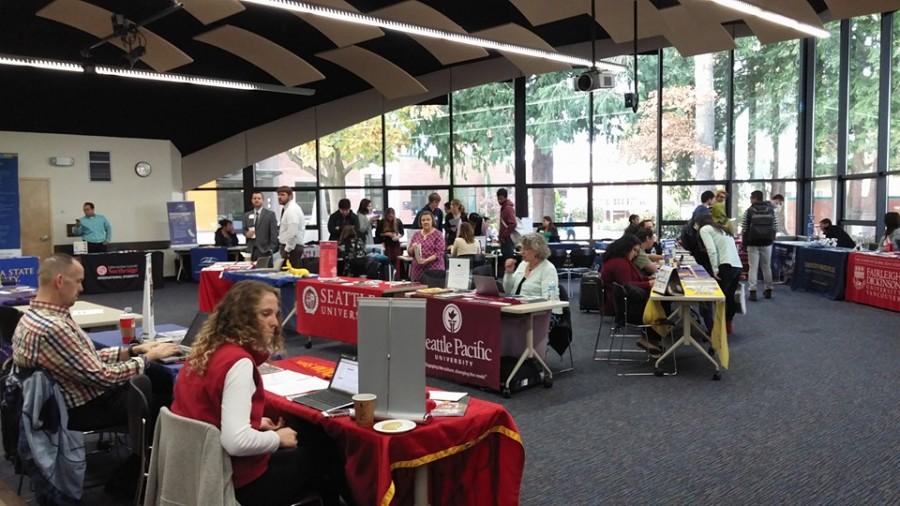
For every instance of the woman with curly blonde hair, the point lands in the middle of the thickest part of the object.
(221, 385)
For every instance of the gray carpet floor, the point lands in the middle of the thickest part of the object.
(809, 412)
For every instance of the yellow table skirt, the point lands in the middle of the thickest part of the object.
(654, 312)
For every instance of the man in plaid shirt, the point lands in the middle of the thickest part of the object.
(93, 382)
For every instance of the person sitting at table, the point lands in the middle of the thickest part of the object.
(465, 244)
(477, 222)
(94, 383)
(654, 251)
(724, 259)
(426, 248)
(535, 276)
(634, 223)
(352, 250)
(891, 239)
(225, 234)
(642, 261)
(220, 384)
(618, 267)
(455, 215)
(548, 230)
(388, 232)
(832, 231)
(340, 218)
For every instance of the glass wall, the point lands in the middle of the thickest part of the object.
(729, 120)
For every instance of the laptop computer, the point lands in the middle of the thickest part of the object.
(189, 335)
(341, 389)
(486, 285)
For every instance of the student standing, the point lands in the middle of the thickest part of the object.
(94, 228)
(292, 227)
(724, 259)
(758, 234)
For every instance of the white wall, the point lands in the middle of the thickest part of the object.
(135, 206)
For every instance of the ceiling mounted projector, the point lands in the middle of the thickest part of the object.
(595, 80)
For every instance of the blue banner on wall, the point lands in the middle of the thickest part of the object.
(22, 270)
(182, 224)
(10, 238)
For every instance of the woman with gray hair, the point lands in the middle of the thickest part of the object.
(535, 276)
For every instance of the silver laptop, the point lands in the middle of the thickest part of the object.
(486, 285)
(189, 335)
(341, 389)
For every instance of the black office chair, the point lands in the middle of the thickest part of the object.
(140, 428)
(560, 338)
(582, 261)
(9, 319)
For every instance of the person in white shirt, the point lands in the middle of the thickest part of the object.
(535, 276)
(465, 244)
(724, 260)
(292, 227)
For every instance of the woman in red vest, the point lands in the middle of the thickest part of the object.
(221, 385)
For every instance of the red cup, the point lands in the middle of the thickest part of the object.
(126, 327)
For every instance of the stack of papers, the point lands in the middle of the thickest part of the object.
(289, 383)
(449, 403)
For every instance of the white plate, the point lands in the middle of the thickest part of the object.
(395, 426)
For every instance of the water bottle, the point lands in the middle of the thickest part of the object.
(810, 227)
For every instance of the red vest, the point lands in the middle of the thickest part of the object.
(200, 398)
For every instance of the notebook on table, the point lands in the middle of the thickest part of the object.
(343, 386)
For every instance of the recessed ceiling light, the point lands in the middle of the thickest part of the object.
(469, 40)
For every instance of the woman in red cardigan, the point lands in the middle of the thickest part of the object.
(221, 385)
(618, 267)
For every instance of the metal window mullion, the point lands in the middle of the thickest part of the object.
(843, 116)
(519, 117)
(806, 125)
(659, 133)
(884, 117)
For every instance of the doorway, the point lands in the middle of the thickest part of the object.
(34, 202)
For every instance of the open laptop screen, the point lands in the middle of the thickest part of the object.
(346, 376)
(194, 329)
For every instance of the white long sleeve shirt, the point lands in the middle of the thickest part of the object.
(292, 227)
(720, 247)
(239, 438)
(542, 281)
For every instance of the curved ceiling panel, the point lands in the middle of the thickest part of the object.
(768, 32)
(341, 33)
(541, 12)
(617, 18)
(417, 13)
(693, 30)
(209, 11)
(842, 9)
(161, 55)
(516, 34)
(390, 80)
(280, 63)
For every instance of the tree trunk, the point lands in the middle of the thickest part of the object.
(705, 114)
(542, 172)
(751, 138)
(337, 177)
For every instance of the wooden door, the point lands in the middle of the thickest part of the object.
(34, 211)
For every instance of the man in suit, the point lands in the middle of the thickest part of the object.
(260, 229)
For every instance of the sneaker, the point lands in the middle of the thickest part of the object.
(767, 293)
(752, 295)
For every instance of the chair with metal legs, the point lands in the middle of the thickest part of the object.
(623, 328)
(606, 354)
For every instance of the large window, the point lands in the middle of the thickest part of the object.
(825, 120)
(556, 127)
(862, 138)
(694, 104)
(766, 92)
(560, 203)
(613, 205)
(740, 201)
(893, 194)
(625, 142)
(859, 199)
(407, 203)
(417, 145)
(483, 135)
(823, 200)
(295, 167)
(894, 162)
(350, 156)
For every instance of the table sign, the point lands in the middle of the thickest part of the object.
(463, 349)
(327, 259)
(20, 270)
(874, 279)
(667, 281)
(458, 274)
(80, 247)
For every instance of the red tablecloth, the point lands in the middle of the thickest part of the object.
(874, 279)
(476, 459)
(212, 289)
(328, 310)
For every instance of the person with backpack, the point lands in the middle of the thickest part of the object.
(758, 234)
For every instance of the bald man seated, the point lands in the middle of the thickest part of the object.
(94, 383)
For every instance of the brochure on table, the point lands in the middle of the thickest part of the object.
(458, 274)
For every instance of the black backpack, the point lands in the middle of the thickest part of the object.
(761, 225)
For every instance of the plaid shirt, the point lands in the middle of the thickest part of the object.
(47, 337)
